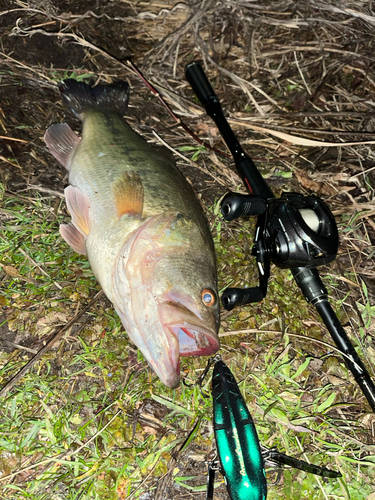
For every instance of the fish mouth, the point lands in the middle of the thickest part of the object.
(182, 318)
(176, 330)
(194, 340)
(185, 338)
(183, 333)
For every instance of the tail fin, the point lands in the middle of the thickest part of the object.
(80, 97)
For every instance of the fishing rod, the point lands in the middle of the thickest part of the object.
(242, 459)
(294, 232)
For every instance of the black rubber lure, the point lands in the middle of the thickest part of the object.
(277, 457)
(242, 458)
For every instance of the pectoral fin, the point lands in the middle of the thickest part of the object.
(78, 205)
(128, 194)
(73, 237)
(62, 142)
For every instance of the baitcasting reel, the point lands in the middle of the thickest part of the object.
(292, 231)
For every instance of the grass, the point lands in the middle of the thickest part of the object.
(73, 429)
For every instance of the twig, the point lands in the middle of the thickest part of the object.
(12, 382)
(191, 162)
(12, 139)
(308, 461)
(17, 346)
(302, 75)
(173, 115)
(22, 65)
(39, 267)
(243, 84)
(301, 141)
(304, 337)
(63, 456)
(309, 48)
(130, 65)
(14, 164)
(170, 41)
(346, 11)
(60, 194)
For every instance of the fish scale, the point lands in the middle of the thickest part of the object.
(130, 152)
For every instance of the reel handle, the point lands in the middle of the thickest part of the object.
(233, 297)
(239, 205)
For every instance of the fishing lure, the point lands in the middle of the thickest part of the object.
(241, 456)
(236, 438)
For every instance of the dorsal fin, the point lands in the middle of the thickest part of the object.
(128, 194)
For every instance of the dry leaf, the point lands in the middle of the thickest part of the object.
(311, 185)
(11, 271)
(294, 139)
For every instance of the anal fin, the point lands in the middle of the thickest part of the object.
(73, 237)
(62, 142)
(128, 194)
(78, 205)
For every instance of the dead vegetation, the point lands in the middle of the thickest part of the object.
(297, 82)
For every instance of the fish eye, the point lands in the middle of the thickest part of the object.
(208, 297)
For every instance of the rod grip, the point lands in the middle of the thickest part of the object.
(200, 84)
(315, 292)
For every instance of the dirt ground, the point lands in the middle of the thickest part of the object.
(302, 69)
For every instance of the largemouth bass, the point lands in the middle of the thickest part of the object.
(142, 228)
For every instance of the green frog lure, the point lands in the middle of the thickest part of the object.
(241, 456)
